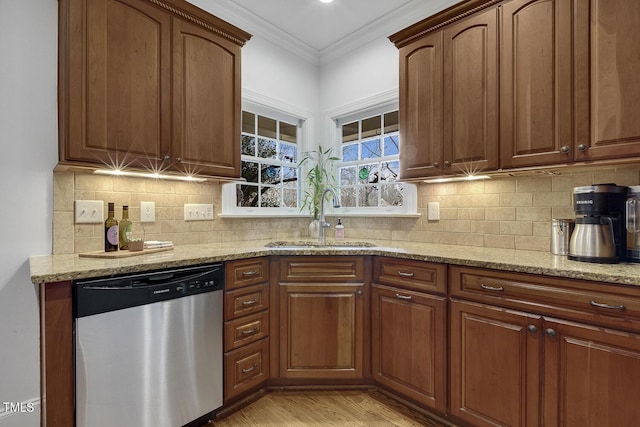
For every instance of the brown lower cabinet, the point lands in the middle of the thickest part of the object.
(528, 350)
(323, 318)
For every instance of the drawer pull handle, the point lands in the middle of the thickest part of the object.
(607, 306)
(250, 331)
(404, 297)
(491, 288)
(247, 370)
(250, 302)
(249, 273)
(405, 273)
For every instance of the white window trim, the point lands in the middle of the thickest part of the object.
(262, 105)
(355, 111)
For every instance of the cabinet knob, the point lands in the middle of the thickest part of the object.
(436, 164)
(582, 147)
(178, 159)
(358, 292)
(564, 149)
(167, 157)
(550, 332)
(532, 329)
(447, 163)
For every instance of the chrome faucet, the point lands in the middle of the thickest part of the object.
(323, 224)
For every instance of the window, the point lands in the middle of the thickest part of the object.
(269, 155)
(369, 167)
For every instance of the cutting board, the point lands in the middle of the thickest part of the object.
(122, 254)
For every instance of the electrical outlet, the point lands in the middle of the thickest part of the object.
(89, 211)
(147, 211)
(433, 211)
(198, 212)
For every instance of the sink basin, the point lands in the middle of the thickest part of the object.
(318, 245)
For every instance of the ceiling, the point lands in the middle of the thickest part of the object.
(317, 31)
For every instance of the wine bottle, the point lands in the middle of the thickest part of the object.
(125, 228)
(110, 231)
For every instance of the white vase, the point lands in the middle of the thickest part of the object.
(313, 228)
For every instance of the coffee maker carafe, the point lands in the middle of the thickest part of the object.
(633, 224)
(600, 233)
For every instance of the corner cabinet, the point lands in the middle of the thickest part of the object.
(408, 330)
(151, 85)
(323, 318)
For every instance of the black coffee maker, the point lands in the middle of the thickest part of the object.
(600, 233)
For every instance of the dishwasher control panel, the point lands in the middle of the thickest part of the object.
(101, 295)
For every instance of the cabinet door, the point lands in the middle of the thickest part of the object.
(421, 108)
(409, 344)
(591, 373)
(116, 65)
(471, 94)
(321, 331)
(206, 102)
(494, 365)
(535, 83)
(608, 87)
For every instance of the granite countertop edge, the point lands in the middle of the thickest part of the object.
(65, 267)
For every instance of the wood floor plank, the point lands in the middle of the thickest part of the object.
(325, 408)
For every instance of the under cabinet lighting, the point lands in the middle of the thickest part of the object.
(118, 172)
(326, 1)
(457, 179)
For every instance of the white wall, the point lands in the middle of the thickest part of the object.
(28, 139)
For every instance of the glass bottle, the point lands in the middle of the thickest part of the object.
(125, 229)
(111, 234)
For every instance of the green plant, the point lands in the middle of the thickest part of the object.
(319, 177)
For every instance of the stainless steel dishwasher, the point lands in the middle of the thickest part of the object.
(148, 348)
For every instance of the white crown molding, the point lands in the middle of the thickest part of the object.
(252, 23)
(383, 27)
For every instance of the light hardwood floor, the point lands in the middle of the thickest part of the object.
(325, 408)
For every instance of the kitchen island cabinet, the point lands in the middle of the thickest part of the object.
(151, 85)
(408, 330)
(323, 318)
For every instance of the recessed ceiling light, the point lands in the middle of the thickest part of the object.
(326, 1)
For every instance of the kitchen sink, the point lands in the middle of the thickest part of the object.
(318, 245)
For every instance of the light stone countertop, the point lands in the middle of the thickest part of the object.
(56, 268)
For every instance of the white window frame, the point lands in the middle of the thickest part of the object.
(363, 109)
(268, 107)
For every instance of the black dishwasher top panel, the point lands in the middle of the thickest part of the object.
(101, 295)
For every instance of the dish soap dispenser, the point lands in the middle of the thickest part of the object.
(339, 230)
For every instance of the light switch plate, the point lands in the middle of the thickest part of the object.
(89, 212)
(433, 211)
(147, 211)
(198, 212)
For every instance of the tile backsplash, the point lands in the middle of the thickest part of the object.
(506, 212)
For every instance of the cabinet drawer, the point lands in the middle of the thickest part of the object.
(608, 304)
(246, 272)
(322, 269)
(418, 275)
(246, 330)
(243, 301)
(246, 368)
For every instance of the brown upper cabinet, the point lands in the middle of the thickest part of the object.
(149, 84)
(607, 80)
(448, 99)
(559, 76)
